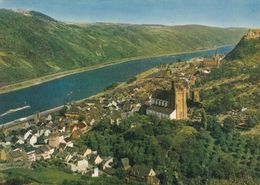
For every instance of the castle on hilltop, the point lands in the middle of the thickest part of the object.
(253, 34)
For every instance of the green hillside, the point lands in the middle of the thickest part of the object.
(234, 88)
(34, 45)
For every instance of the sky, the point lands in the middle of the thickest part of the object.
(222, 13)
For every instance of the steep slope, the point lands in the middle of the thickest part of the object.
(33, 44)
(234, 88)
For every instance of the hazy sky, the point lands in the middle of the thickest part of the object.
(227, 13)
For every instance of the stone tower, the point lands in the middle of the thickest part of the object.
(217, 58)
(3, 155)
(196, 95)
(180, 93)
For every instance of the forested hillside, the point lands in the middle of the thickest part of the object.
(233, 89)
(34, 45)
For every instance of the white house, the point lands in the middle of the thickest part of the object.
(20, 141)
(68, 158)
(96, 173)
(47, 132)
(69, 144)
(33, 140)
(108, 163)
(27, 134)
(63, 129)
(49, 118)
(31, 156)
(73, 167)
(46, 152)
(98, 160)
(87, 152)
(82, 166)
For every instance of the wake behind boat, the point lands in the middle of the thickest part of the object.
(15, 110)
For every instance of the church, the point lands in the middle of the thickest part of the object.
(212, 63)
(169, 104)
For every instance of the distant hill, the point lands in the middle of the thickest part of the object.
(235, 85)
(33, 44)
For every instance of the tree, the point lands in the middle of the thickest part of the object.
(204, 121)
(16, 181)
(2, 136)
(82, 117)
(63, 110)
(228, 124)
(252, 121)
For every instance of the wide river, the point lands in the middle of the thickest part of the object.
(21, 103)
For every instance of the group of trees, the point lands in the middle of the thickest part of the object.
(181, 152)
(176, 150)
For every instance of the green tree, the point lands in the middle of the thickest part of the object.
(252, 121)
(228, 124)
(204, 121)
(82, 117)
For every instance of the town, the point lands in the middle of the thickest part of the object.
(167, 91)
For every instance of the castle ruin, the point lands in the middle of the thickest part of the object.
(253, 34)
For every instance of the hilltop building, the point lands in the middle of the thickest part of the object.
(169, 104)
(253, 34)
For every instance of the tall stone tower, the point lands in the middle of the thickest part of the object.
(217, 58)
(180, 101)
(196, 95)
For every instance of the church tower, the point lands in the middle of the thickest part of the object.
(217, 58)
(180, 93)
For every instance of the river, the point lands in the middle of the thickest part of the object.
(24, 102)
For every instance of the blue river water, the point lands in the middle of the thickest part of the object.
(21, 103)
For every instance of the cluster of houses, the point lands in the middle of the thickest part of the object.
(47, 139)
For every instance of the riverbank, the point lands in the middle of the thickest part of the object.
(36, 81)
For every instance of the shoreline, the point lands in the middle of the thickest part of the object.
(18, 122)
(50, 77)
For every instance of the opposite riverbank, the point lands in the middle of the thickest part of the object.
(36, 81)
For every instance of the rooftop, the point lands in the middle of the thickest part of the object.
(162, 110)
(162, 95)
